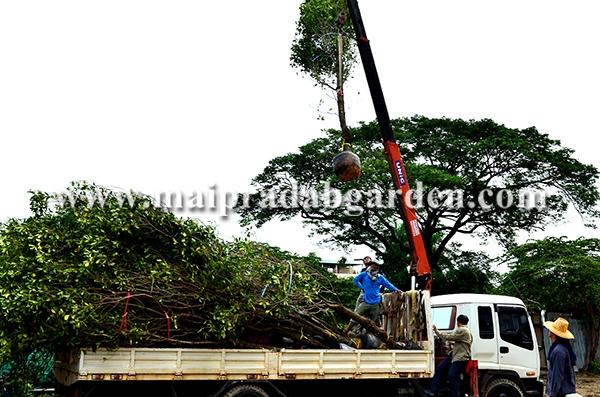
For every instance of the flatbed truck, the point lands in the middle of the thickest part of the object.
(263, 372)
(504, 347)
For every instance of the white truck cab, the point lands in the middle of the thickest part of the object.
(504, 341)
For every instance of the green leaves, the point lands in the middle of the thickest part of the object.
(58, 266)
(479, 160)
(559, 275)
(85, 272)
(314, 50)
(569, 272)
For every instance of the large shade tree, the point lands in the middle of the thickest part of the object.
(480, 161)
(559, 275)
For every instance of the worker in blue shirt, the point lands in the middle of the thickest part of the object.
(366, 262)
(561, 359)
(370, 282)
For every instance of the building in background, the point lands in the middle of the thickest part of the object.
(343, 267)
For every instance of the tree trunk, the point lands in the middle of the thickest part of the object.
(592, 337)
(340, 89)
(367, 324)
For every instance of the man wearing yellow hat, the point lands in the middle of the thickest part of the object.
(561, 359)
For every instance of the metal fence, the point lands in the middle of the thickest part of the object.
(578, 330)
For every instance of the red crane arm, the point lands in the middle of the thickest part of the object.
(420, 264)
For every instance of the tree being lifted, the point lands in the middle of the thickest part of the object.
(324, 50)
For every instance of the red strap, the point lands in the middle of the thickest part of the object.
(168, 325)
(123, 325)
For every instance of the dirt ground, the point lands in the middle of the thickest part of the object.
(588, 385)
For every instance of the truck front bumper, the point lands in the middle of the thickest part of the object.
(533, 387)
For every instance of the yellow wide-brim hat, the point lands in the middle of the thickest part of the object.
(559, 327)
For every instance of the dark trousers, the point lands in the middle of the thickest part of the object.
(453, 371)
(370, 311)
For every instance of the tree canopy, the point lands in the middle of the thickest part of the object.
(315, 46)
(560, 275)
(478, 163)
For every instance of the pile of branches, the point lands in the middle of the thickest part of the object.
(91, 269)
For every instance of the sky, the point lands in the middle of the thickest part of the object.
(182, 96)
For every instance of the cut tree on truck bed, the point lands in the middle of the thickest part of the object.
(180, 371)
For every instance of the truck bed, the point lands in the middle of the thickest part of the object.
(135, 364)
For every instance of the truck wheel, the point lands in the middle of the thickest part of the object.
(246, 391)
(503, 388)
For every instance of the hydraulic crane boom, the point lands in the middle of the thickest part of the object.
(420, 265)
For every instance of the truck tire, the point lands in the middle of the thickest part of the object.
(246, 391)
(503, 387)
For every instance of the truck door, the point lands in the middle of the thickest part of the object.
(485, 341)
(516, 344)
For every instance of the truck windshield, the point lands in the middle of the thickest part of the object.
(444, 317)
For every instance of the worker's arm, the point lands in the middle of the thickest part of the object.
(458, 335)
(357, 280)
(387, 284)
